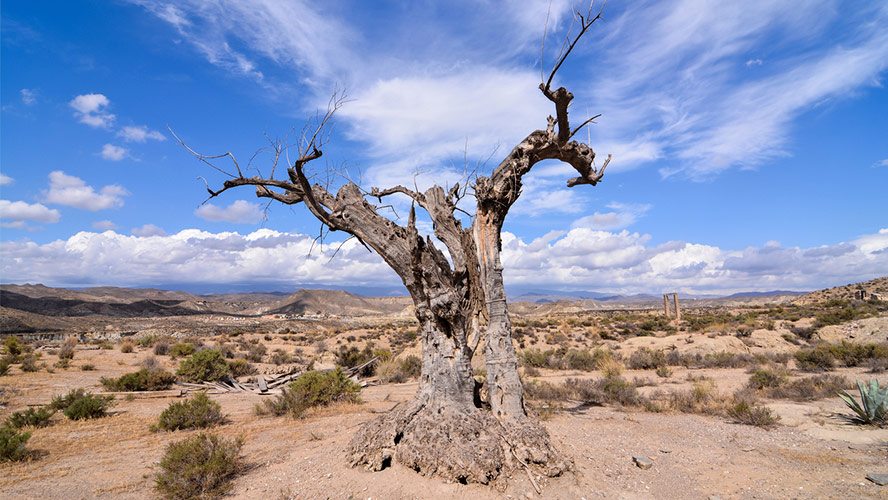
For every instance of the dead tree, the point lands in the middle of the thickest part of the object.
(446, 430)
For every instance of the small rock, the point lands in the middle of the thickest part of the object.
(643, 463)
(713, 497)
(665, 450)
(880, 479)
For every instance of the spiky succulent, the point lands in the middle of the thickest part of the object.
(874, 410)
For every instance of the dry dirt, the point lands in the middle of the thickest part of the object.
(813, 453)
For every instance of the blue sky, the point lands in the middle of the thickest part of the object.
(749, 139)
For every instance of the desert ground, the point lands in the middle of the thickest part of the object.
(807, 447)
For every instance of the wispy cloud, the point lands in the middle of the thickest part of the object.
(72, 191)
(113, 153)
(883, 163)
(29, 97)
(92, 109)
(140, 134)
(623, 215)
(5, 179)
(675, 74)
(104, 225)
(239, 212)
(148, 230)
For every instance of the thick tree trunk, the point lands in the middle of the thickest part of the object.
(528, 439)
(441, 431)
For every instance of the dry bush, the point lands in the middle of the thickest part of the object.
(127, 347)
(748, 414)
(610, 367)
(241, 367)
(199, 467)
(161, 348)
(66, 350)
(199, 412)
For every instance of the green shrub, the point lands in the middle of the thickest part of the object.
(350, 357)
(30, 418)
(87, 367)
(814, 360)
(749, 414)
(142, 380)
(313, 389)
(181, 349)
(5, 361)
(80, 405)
(579, 359)
(199, 467)
(207, 365)
(198, 412)
(89, 406)
(12, 444)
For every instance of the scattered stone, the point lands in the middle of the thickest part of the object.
(713, 497)
(880, 479)
(643, 463)
(747, 449)
(665, 450)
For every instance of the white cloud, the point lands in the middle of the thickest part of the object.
(5, 179)
(239, 212)
(753, 62)
(22, 211)
(91, 109)
(140, 134)
(192, 256)
(619, 262)
(28, 96)
(148, 230)
(883, 163)
(113, 153)
(68, 190)
(104, 225)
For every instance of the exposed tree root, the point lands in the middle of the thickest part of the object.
(464, 445)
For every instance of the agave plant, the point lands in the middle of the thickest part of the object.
(875, 403)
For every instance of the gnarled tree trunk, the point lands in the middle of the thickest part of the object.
(446, 429)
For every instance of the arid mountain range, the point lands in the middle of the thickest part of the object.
(35, 307)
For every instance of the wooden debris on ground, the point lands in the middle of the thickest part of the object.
(265, 386)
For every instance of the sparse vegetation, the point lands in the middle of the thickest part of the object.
(142, 380)
(199, 467)
(127, 347)
(66, 351)
(759, 416)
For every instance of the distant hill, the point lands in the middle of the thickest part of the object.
(878, 286)
(772, 293)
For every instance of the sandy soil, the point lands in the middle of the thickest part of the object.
(813, 453)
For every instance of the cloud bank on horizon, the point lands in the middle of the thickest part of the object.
(580, 259)
(730, 125)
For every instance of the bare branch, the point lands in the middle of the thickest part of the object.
(588, 121)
